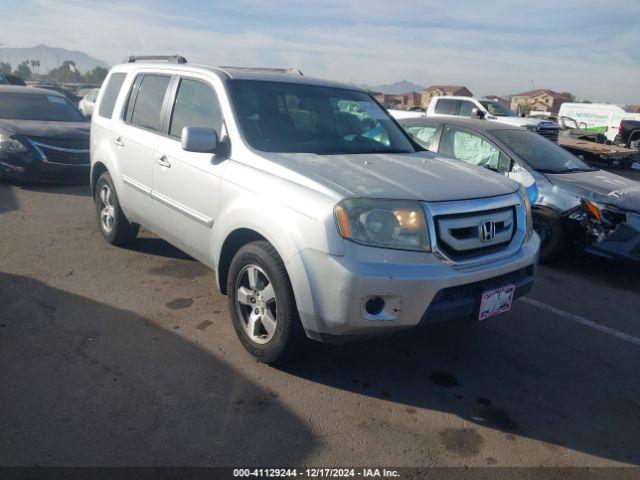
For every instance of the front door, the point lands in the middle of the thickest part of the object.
(185, 184)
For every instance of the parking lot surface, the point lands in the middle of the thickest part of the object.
(113, 356)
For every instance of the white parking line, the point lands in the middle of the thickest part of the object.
(582, 321)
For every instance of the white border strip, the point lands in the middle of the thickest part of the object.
(582, 321)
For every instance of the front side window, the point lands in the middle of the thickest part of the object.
(445, 106)
(38, 107)
(298, 118)
(497, 109)
(422, 134)
(110, 94)
(466, 108)
(196, 105)
(471, 148)
(541, 154)
(147, 109)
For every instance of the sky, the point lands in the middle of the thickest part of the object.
(588, 47)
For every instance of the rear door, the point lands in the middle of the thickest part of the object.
(136, 139)
(185, 184)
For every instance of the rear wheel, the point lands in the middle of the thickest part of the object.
(114, 226)
(262, 305)
(552, 233)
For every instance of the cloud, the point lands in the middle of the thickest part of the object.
(587, 47)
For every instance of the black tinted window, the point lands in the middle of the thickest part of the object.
(32, 106)
(447, 106)
(196, 105)
(110, 94)
(148, 106)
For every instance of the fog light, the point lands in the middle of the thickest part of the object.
(374, 305)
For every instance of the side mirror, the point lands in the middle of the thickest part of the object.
(477, 113)
(199, 139)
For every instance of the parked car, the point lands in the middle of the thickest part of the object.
(88, 101)
(577, 205)
(628, 134)
(490, 110)
(317, 212)
(7, 79)
(43, 137)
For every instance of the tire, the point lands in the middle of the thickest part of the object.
(113, 224)
(553, 235)
(252, 309)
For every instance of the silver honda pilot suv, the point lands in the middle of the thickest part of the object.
(320, 217)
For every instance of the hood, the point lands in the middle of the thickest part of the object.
(601, 187)
(32, 128)
(523, 122)
(418, 176)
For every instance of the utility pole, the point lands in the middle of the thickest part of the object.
(1, 58)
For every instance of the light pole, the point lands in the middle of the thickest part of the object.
(1, 45)
(533, 85)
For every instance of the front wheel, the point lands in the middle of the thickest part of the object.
(262, 306)
(552, 233)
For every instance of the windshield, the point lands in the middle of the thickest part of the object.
(497, 109)
(541, 154)
(296, 118)
(30, 106)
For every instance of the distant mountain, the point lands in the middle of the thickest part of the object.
(50, 57)
(394, 88)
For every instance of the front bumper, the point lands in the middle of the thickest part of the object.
(417, 288)
(623, 243)
(30, 168)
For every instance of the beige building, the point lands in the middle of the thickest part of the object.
(542, 99)
(442, 90)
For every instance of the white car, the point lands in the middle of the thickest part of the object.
(317, 212)
(491, 110)
(87, 103)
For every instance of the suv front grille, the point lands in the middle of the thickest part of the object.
(459, 236)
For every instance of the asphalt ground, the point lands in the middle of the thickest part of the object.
(121, 357)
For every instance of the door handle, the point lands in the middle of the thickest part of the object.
(162, 161)
(118, 141)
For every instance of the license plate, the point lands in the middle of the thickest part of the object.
(496, 301)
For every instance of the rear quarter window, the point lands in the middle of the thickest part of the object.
(110, 94)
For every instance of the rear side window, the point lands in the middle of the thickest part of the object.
(196, 105)
(110, 94)
(147, 109)
(447, 107)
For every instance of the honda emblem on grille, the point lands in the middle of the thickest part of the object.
(487, 230)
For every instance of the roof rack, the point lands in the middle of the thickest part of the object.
(166, 58)
(292, 71)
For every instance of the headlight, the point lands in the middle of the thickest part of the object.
(11, 145)
(527, 206)
(532, 128)
(383, 223)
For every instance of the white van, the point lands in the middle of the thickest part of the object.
(595, 117)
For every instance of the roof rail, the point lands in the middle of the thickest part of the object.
(292, 71)
(166, 58)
